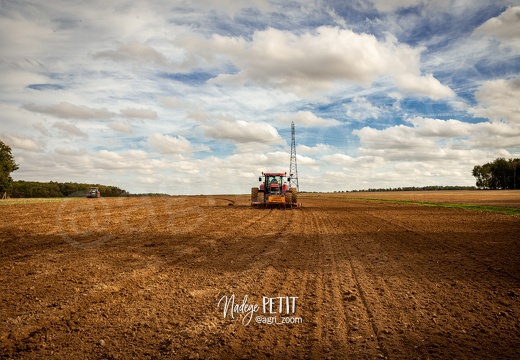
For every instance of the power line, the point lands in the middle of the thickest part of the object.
(293, 169)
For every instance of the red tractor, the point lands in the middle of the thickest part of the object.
(274, 192)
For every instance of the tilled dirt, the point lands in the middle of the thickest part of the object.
(150, 278)
(504, 198)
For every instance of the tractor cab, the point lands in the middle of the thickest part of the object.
(273, 183)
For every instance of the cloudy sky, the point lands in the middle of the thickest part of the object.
(191, 97)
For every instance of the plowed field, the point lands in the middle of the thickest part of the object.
(121, 278)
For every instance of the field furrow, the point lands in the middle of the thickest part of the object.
(150, 278)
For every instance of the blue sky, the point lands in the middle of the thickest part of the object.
(191, 97)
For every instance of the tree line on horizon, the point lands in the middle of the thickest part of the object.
(498, 174)
(419, 188)
(35, 189)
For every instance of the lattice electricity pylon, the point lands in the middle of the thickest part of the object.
(293, 168)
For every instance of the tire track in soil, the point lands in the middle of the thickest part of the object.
(386, 303)
(233, 225)
(420, 238)
(313, 309)
(260, 279)
(294, 272)
(279, 282)
(326, 293)
(354, 330)
(445, 314)
(367, 339)
(285, 339)
(238, 225)
(217, 331)
(301, 264)
(412, 309)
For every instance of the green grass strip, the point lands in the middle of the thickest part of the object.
(488, 208)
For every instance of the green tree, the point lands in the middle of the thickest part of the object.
(516, 172)
(498, 174)
(7, 166)
(500, 169)
(484, 176)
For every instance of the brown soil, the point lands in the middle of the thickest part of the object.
(507, 198)
(142, 278)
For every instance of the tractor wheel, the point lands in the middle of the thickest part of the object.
(261, 196)
(294, 192)
(254, 194)
(288, 199)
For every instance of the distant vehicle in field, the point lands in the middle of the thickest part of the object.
(93, 192)
(274, 192)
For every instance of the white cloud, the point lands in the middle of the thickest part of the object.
(173, 102)
(269, 161)
(349, 162)
(338, 159)
(440, 128)
(361, 109)
(69, 129)
(70, 151)
(41, 128)
(22, 142)
(424, 85)
(131, 160)
(123, 128)
(240, 131)
(315, 62)
(307, 161)
(399, 137)
(496, 135)
(498, 100)
(170, 144)
(134, 52)
(139, 113)
(484, 135)
(306, 119)
(70, 111)
(435, 140)
(318, 149)
(199, 116)
(505, 27)
(252, 148)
